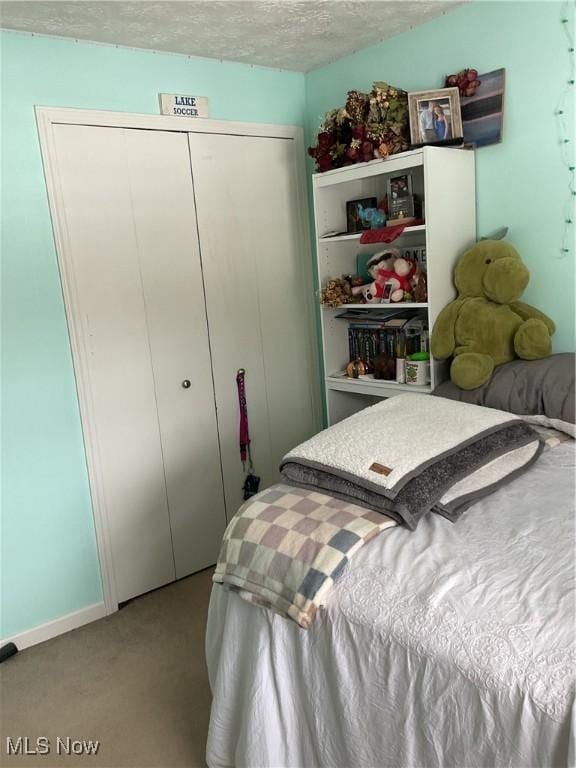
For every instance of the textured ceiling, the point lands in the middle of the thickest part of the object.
(288, 34)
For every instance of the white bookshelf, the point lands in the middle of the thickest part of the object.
(444, 179)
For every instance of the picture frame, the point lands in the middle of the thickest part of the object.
(387, 292)
(435, 117)
(400, 198)
(353, 221)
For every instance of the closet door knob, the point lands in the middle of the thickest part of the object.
(186, 384)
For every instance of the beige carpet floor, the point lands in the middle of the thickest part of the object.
(136, 681)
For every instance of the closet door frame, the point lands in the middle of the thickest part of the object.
(47, 118)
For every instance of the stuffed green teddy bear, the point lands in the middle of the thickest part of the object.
(487, 325)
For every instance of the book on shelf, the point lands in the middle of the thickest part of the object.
(386, 318)
(336, 233)
(396, 322)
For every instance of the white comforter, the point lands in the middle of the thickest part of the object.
(448, 646)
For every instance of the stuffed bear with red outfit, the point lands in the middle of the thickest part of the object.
(400, 276)
(387, 267)
(379, 263)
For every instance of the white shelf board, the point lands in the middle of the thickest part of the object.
(393, 306)
(358, 235)
(398, 162)
(368, 385)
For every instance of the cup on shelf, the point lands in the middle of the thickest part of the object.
(417, 369)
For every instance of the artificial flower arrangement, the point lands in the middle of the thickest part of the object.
(369, 126)
(466, 81)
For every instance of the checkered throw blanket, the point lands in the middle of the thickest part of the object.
(287, 546)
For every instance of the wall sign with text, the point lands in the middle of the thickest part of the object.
(183, 106)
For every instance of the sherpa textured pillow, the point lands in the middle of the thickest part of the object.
(541, 391)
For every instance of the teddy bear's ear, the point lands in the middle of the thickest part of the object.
(499, 234)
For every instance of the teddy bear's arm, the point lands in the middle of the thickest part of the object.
(527, 312)
(443, 339)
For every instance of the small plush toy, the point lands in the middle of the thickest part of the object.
(376, 268)
(374, 218)
(401, 274)
(420, 288)
(372, 293)
(486, 325)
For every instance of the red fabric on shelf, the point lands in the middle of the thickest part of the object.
(387, 234)
(382, 235)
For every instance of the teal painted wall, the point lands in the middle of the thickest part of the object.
(521, 182)
(49, 556)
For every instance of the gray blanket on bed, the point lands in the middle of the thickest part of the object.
(411, 454)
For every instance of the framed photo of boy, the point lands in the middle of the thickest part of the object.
(435, 117)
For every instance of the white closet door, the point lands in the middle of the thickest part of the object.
(165, 222)
(127, 206)
(256, 289)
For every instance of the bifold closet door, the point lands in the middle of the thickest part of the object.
(257, 292)
(127, 204)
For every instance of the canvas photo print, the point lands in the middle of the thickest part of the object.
(483, 113)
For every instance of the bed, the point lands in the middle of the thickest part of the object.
(449, 645)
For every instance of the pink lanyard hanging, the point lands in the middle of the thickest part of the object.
(251, 481)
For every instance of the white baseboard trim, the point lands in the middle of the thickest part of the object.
(57, 627)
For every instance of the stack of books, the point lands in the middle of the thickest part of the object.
(397, 337)
(368, 342)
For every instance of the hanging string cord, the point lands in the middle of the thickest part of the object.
(245, 452)
(565, 129)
